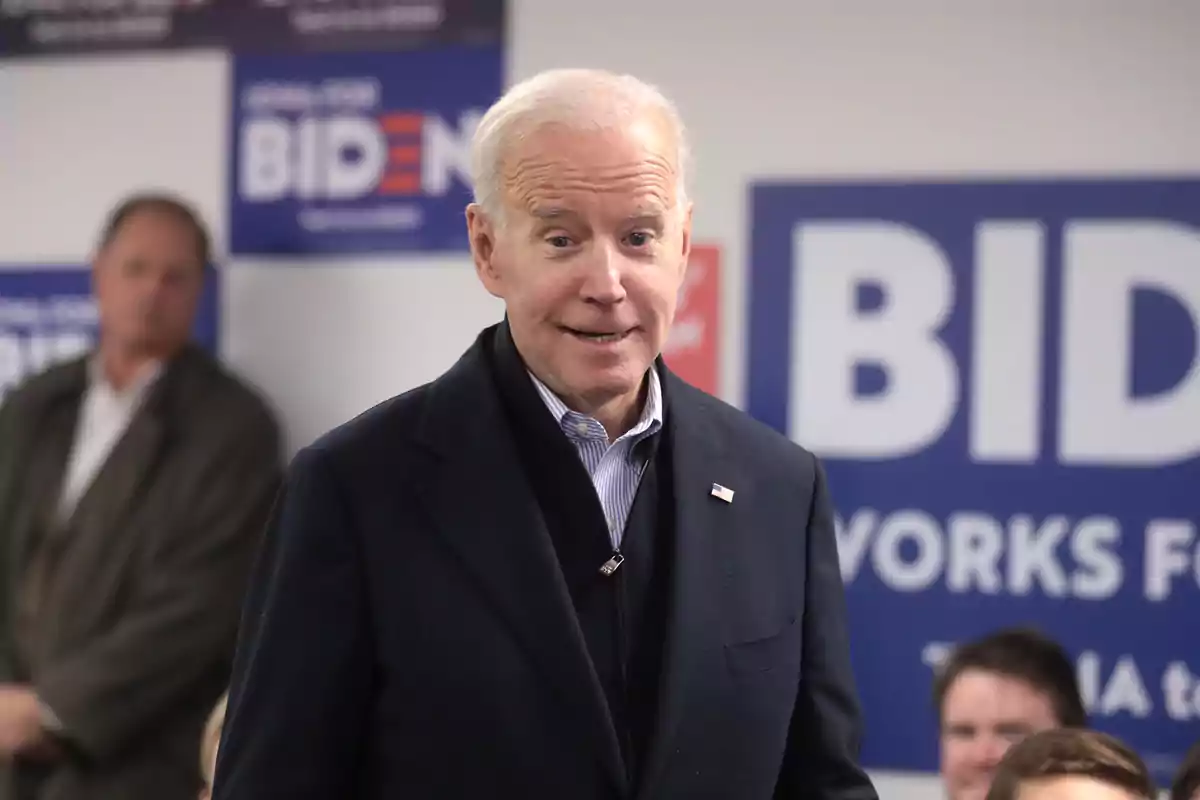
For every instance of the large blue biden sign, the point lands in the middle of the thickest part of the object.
(1004, 383)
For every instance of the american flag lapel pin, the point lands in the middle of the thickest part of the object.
(722, 493)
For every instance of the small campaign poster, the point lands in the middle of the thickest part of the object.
(343, 153)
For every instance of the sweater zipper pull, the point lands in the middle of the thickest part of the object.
(611, 566)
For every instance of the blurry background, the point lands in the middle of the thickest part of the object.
(799, 112)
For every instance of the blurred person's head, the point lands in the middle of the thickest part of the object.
(582, 225)
(209, 745)
(1186, 785)
(992, 693)
(148, 274)
(1071, 764)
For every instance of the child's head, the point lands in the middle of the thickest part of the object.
(209, 744)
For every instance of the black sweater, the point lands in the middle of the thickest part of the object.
(622, 615)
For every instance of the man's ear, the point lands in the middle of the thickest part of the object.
(99, 264)
(687, 231)
(686, 237)
(481, 230)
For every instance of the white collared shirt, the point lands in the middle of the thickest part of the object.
(104, 416)
(616, 469)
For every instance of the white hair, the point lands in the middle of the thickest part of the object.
(579, 99)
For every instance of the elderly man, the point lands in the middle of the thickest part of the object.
(135, 483)
(556, 571)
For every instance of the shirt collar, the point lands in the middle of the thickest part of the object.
(581, 426)
(97, 379)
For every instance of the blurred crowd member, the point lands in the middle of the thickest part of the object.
(1186, 785)
(209, 746)
(992, 693)
(1072, 764)
(134, 484)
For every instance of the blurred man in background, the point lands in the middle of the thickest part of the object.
(557, 571)
(134, 484)
(992, 693)
(1072, 764)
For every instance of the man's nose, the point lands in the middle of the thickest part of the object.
(604, 281)
(988, 751)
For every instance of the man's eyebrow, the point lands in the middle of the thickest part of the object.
(651, 217)
(551, 213)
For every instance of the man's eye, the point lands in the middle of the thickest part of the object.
(639, 239)
(559, 241)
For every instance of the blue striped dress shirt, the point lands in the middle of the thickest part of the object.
(616, 468)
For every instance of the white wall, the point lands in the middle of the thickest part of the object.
(804, 88)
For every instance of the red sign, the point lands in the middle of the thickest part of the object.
(693, 348)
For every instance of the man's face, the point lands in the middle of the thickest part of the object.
(147, 282)
(983, 714)
(1073, 787)
(589, 258)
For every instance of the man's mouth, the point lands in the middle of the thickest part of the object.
(597, 336)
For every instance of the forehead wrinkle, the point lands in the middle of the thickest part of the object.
(539, 171)
(552, 201)
(530, 174)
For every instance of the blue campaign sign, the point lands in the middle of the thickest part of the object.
(338, 153)
(1003, 381)
(47, 315)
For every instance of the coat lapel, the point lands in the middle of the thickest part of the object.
(478, 498)
(114, 488)
(700, 459)
(45, 447)
(112, 492)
